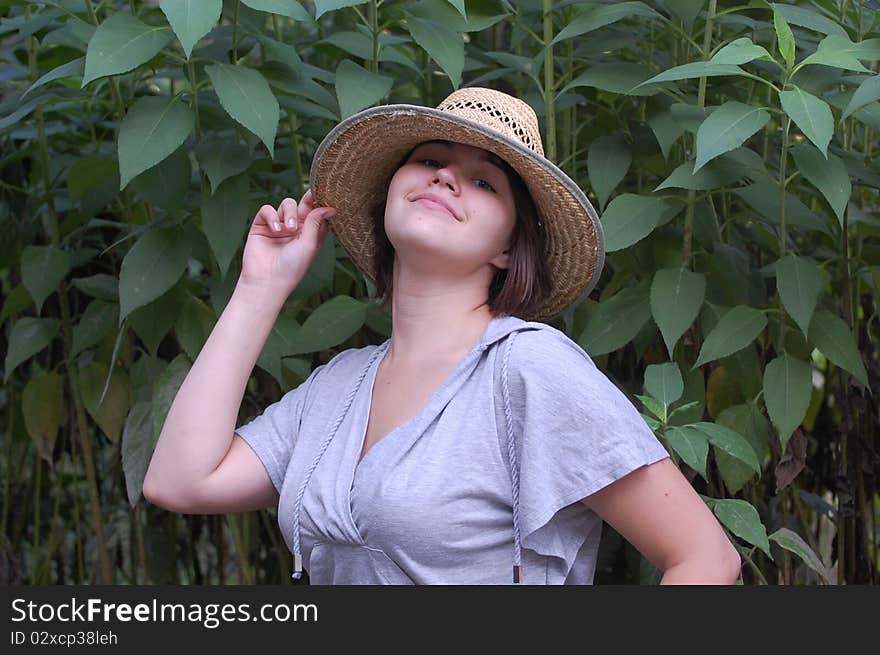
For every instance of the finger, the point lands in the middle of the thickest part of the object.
(306, 205)
(287, 213)
(266, 217)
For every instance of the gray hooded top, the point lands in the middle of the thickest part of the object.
(487, 475)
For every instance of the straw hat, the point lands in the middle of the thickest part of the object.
(355, 162)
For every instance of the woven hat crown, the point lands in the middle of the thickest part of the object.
(512, 117)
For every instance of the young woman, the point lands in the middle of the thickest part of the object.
(477, 445)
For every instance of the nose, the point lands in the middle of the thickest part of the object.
(446, 176)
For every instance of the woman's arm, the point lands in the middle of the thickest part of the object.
(199, 429)
(657, 510)
(199, 465)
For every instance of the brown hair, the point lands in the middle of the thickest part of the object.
(517, 290)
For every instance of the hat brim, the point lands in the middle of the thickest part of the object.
(355, 162)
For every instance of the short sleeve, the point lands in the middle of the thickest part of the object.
(575, 432)
(272, 435)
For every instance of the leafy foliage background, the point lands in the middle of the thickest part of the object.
(728, 146)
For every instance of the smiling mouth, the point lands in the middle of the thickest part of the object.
(435, 205)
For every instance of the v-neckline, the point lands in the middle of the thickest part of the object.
(373, 374)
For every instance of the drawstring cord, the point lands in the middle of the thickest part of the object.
(514, 469)
(511, 456)
(297, 553)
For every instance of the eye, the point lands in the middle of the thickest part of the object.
(488, 186)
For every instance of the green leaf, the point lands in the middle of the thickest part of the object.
(654, 406)
(88, 173)
(693, 70)
(868, 92)
(281, 340)
(194, 326)
(808, 18)
(616, 321)
(110, 411)
(800, 283)
(868, 115)
(676, 297)
(833, 337)
(608, 161)
(811, 115)
(691, 445)
(329, 325)
(740, 51)
(616, 77)
(42, 269)
(16, 302)
(838, 51)
(360, 45)
(596, 17)
(96, 323)
(827, 174)
(764, 198)
(742, 519)
(29, 336)
(667, 130)
(663, 382)
(629, 218)
(324, 6)
(137, 449)
(734, 331)
(787, 388)
(225, 219)
(459, 4)
(121, 43)
(42, 405)
(714, 175)
(100, 285)
(246, 97)
(443, 44)
(357, 88)
(652, 422)
(735, 473)
(191, 19)
(784, 37)
(290, 8)
(166, 389)
(72, 68)
(729, 441)
(152, 129)
(686, 10)
(727, 128)
(793, 543)
(151, 267)
(153, 321)
(166, 184)
(221, 159)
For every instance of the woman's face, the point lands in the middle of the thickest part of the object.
(470, 224)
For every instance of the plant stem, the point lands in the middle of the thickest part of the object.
(245, 576)
(82, 426)
(374, 28)
(10, 471)
(235, 33)
(548, 81)
(783, 236)
(686, 250)
(35, 547)
(297, 156)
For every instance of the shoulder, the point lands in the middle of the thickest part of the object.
(541, 349)
(346, 364)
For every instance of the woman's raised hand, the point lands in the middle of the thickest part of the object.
(282, 244)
